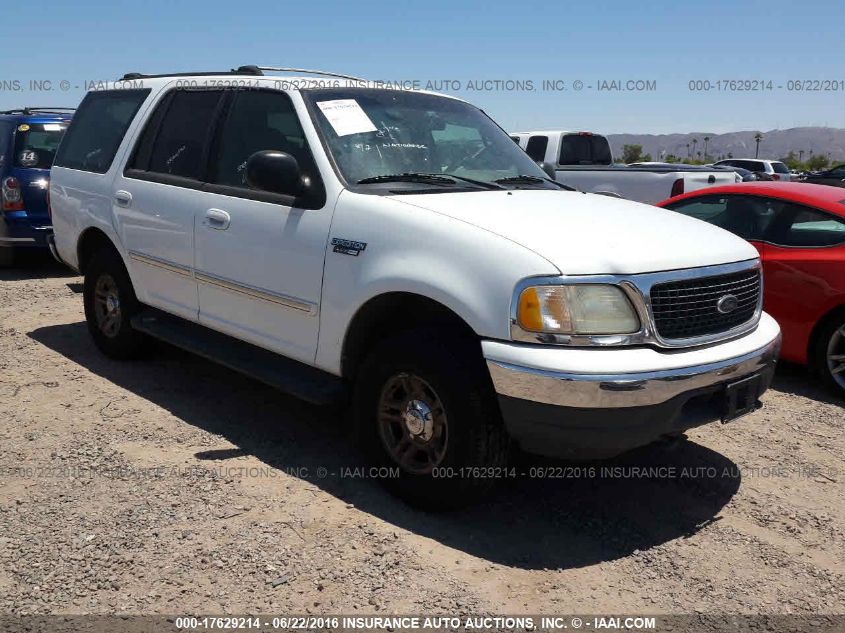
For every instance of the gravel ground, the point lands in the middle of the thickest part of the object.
(173, 485)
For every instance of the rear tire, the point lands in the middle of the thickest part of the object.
(829, 355)
(7, 257)
(110, 303)
(424, 405)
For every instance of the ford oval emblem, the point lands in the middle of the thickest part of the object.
(727, 304)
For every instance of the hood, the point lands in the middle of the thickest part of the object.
(588, 234)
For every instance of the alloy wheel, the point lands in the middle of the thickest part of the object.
(107, 305)
(836, 356)
(412, 423)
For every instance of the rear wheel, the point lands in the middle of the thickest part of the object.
(425, 409)
(829, 356)
(110, 303)
(7, 257)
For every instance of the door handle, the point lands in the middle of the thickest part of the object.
(217, 219)
(123, 198)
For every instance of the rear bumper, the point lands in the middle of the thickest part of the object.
(567, 413)
(19, 231)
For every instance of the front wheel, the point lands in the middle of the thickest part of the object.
(425, 409)
(829, 357)
(110, 303)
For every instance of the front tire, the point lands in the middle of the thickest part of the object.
(110, 303)
(424, 406)
(829, 355)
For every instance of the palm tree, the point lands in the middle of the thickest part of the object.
(706, 140)
(694, 143)
(757, 137)
(687, 150)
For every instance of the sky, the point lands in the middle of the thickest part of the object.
(495, 54)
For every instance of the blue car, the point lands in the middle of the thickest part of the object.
(29, 138)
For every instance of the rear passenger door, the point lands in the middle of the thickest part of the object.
(258, 255)
(158, 195)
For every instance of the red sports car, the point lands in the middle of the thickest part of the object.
(799, 230)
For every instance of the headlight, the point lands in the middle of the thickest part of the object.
(576, 309)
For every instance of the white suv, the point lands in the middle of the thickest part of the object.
(775, 169)
(398, 248)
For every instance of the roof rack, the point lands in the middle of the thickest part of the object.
(325, 73)
(34, 109)
(255, 71)
(240, 70)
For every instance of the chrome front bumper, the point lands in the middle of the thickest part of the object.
(608, 391)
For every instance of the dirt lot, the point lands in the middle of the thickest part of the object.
(173, 485)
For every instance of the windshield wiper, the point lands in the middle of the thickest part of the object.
(435, 179)
(525, 179)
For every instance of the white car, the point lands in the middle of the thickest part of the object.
(398, 248)
(773, 168)
(584, 160)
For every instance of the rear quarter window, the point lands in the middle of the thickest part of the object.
(97, 129)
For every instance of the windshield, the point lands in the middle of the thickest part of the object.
(374, 132)
(36, 144)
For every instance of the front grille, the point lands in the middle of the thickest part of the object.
(687, 309)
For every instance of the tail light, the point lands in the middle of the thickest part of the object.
(677, 188)
(10, 194)
(775, 176)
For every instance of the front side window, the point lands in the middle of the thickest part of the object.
(374, 133)
(258, 120)
(36, 144)
(97, 129)
(780, 168)
(746, 216)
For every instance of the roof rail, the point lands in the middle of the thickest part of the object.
(34, 109)
(305, 70)
(240, 70)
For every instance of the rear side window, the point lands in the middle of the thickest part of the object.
(780, 168)
(36, 144)
(258, 120)
(799, 226)
(180, 144)
(98, 128)
(536, 148)
(5, 140)
(584, 149)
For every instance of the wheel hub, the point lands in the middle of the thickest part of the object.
(112, 304)
(419, 420)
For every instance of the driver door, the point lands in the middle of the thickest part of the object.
(259, 256)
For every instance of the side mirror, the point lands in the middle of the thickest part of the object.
(548, 168)
(274, 171)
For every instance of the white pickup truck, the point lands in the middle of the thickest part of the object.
(584, 160)
(398, 250)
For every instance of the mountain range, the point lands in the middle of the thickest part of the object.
(775, 144)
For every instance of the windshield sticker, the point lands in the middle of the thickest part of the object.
(346, 116)
(52, 127)
(23, 128)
